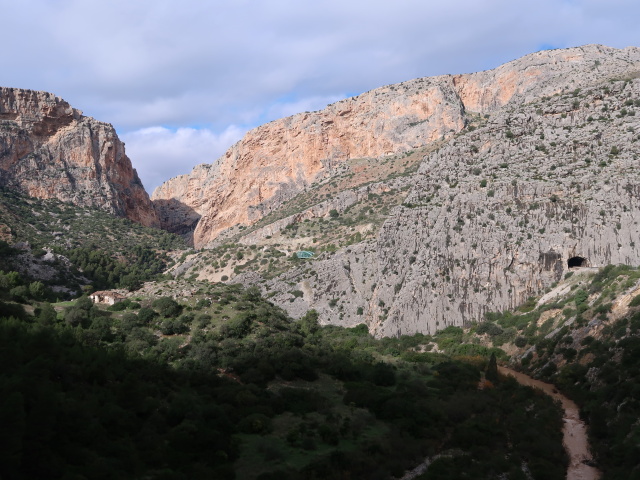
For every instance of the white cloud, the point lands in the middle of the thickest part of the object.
(158, 153)
(179, 64)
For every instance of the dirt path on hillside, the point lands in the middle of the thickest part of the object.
(574, 431)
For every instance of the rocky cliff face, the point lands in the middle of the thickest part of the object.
(276, 161)
(540, 177)
(496, 215)
(50, 150)
(273, 163)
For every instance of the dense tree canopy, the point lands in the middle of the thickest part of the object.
(163, 391)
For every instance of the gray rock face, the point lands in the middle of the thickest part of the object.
(498, 214)
(50, 150)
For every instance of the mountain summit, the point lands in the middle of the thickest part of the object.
(277, 161)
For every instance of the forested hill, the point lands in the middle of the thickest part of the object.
(225, 385)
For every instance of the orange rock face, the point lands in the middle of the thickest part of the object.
(50, 150)
(274, 162)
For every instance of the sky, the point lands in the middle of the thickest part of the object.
(181, 81)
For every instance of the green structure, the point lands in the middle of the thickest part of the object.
(304, 254)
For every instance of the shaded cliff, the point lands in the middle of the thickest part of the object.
(50, 150)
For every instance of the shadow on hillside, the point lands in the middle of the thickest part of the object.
(130, 418)
(177, 217)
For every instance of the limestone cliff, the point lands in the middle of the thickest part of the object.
(540, 177)
(496, 215)
(276, 161)
(50, 150)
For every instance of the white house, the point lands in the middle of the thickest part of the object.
(107, 297)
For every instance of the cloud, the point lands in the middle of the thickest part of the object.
(159, 153)
(158, 62)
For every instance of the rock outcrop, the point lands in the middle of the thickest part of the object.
(50, 150)
(276, 161)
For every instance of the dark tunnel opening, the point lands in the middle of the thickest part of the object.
(575, 262)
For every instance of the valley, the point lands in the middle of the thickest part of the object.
(346, 293)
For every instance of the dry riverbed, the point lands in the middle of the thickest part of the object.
(575, 439)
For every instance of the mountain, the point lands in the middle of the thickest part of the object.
(48, 149)
(276, 161)
(432, 202)
(188, 377)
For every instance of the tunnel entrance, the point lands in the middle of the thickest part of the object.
(576, 262)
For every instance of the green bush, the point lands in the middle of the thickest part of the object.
(487, 327)
(580, 297)
(635, 301)
(167, 307)
(174, 326)
(520, 342)
(120, 306)
(146, 315)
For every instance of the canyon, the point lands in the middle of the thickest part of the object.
(426, 204)
(489, 201)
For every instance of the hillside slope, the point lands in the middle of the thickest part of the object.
(70, 249)
(584, 337)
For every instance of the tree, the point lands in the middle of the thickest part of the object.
(145, 315)
(19, 294)
(46, 314)
(492, 369)
(131, 282)
(308, 324)
(167, 307)
(84, 303)
(37, 290)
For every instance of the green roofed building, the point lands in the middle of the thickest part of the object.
(304, 254)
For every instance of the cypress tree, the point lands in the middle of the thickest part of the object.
(492, 369)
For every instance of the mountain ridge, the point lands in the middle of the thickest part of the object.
(493, 215)
(278, 160)
(449, 215)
